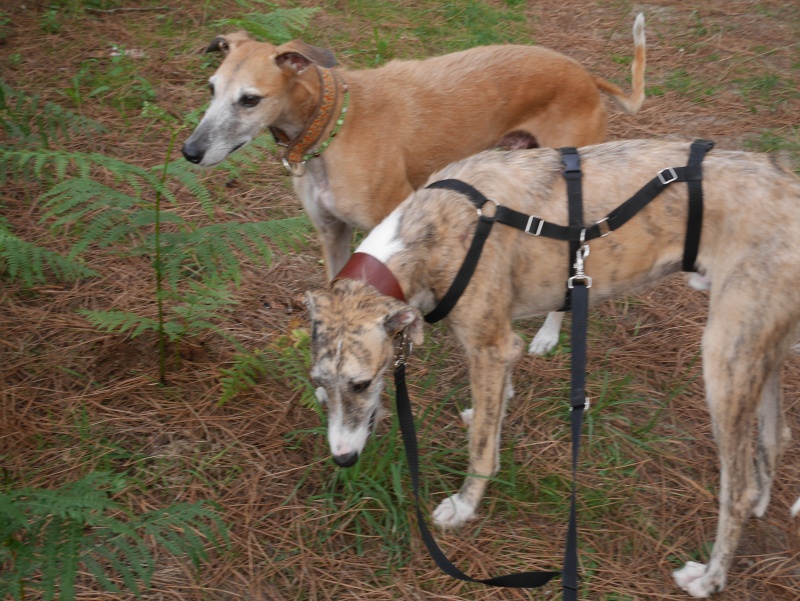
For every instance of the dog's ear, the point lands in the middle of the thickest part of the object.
(223, 43)
(407, 319)
(297, 56)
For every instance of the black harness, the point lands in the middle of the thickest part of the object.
(577, 300)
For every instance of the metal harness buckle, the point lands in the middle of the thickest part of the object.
(586, 404)
(538, 227)
(673, 176)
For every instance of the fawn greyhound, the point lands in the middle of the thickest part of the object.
(384, 131)
(747, 252)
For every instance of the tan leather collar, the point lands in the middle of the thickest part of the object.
(366, 268)
(331, 89)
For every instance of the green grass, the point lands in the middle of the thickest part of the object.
(784, 141)
(401, 31)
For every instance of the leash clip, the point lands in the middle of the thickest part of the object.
(402, 348)
(580, 257)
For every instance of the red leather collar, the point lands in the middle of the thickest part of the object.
(367, 268)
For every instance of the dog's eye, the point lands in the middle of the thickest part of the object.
(360, 386)
(249, 100)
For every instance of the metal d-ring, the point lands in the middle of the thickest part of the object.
(496, 206)
(295, 169)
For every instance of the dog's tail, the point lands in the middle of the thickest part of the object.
(630, 104)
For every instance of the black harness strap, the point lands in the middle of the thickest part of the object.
(694, 225)
(572, 175)
(464, 274)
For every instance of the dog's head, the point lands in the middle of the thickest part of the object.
(353, 342)
(253, 88)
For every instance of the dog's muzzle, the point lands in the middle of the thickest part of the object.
(193, 153)
(347, 460)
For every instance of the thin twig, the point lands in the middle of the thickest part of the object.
(126, 9)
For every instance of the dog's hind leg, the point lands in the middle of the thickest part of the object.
(490, 371)
(740, 359)
(773, 436)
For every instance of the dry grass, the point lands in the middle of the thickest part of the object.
(73, 399)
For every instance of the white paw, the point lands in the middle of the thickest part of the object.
(545, 341)
(453, 512)
(322, 395)
(796, 508)
(466, 416)
(699, 282)
(688, 573)
(693, 579)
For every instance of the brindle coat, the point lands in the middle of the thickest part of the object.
(750, 229)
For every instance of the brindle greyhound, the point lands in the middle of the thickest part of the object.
(400, 122)
(747, 251)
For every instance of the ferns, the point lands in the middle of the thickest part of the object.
(29, 263)
(26, 119)
(247, 368)
(47, 535)
(278, 26)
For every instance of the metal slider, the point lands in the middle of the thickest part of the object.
(607, 227)
(538, 227)
(672, 174)
(587, 403)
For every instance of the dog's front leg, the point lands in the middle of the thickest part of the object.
(317, 198)
(546, 338)
(490, 372)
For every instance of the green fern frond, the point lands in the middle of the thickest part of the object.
(191, 179)
(49, 534)
(246, 370)
(25, 261)
(40, 165)
(120, 322)
(25, 119)
(278, 26)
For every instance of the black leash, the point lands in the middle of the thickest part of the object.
(577, 299)
(406, 419)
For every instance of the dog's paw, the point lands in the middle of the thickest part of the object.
(322, 395)
(545, 341)
(699, 282)
(466, 416)
(796, 508)
(695, 580)
(453, 512)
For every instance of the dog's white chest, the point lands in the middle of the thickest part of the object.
(315, 192)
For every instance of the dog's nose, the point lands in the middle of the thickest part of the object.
(192, 153)
(347, 460)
